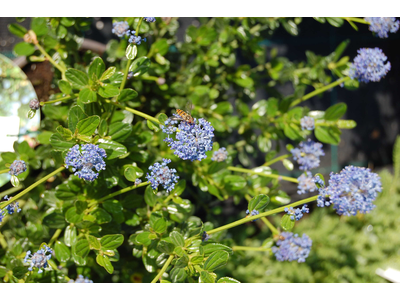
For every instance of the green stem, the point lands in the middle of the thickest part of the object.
(4, 171)
(263, 249)
(31, 187)
(162, 271)
(54, 237)
(11, 190)
(134, 111)
(129, 188)
(270, 226)
(282, 157)
(276, 176)
(60, 68)
(358, 20)
(268, 213)
(319, 91)
(58, 100)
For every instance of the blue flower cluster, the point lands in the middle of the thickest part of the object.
(306, 183)
(150, 19)
(136, 39)
(253, 213)
(297, 213)
(12, 207)
(161, 174)
(292, 247)
(2, 215)
(17, 167)
(307, 123)
(80, 279)
(121, 29)
(34, 104)
(193, 140)
(138, 181)
(369, 65)
(205, 237)
(84, 158)
(383, 25)
(220, 155)
(352, 190)
(307, 155)
(319, 182)
(39, 259)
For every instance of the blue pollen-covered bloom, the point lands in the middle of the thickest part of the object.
(205, 237)
(306, 183)
(307, 154)
(80, 279)
(292, 247)
(39, 259)
(138, 181)
(253, 213)
(161, 174)
(307, 123)
(2, 215)
(12, 207)
(121, 28)
(297, 213)
(383, 25)
(352, 190)
(319, 182)
(136, 39)
(17, 167)
(192, 140)
(369, 65)
(150, 19)
(34, 104)
(220, 155)
(84, 158)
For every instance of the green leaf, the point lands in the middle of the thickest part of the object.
(62, 252)
(65, 87)
(287, 223)
(78, 78)
(177, 239)
(206, 277)
(113, 149)
(160, 226)
(54, 220)
(216, 260)
(336, 22)
(213, 247)
(340, 49)
(24, 49)
(197, 260)
(162, 118)
(259, 203)
(17, 30)
(67, 21)
(88, 126)
(8, 157)
(104, 261)
(112, 241)
(143, 238)
(64, 132)
(94, 242)
(179, 188)
(130, 173)
(113, 206)
(165, 247)
(328, 135)
(75, 114)
(140, 66)
(59, 144)
(97, 68)
(292, 131)
(70, 236)
(119, 131)
(228, 280)
(72, 216)
(235, 182)
(127, 95)
(346, 124)
(86, 95)
(335, 112)
(287, 164)
(178, 275)
(3, 271)
(82, 248)
(103, 128)
(39, 26)
(131, 51)
(161, 46)
(149, 196)
(108, 73)
(108, 91)
(101, 216)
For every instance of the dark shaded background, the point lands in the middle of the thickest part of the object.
(374, 106)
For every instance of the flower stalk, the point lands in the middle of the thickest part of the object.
(162, 271)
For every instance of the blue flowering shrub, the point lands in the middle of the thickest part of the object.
(126, 182)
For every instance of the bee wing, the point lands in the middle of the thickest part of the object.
(189, 107)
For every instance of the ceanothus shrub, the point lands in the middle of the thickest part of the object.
(124, 181)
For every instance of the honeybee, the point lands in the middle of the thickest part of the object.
(184, 115)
